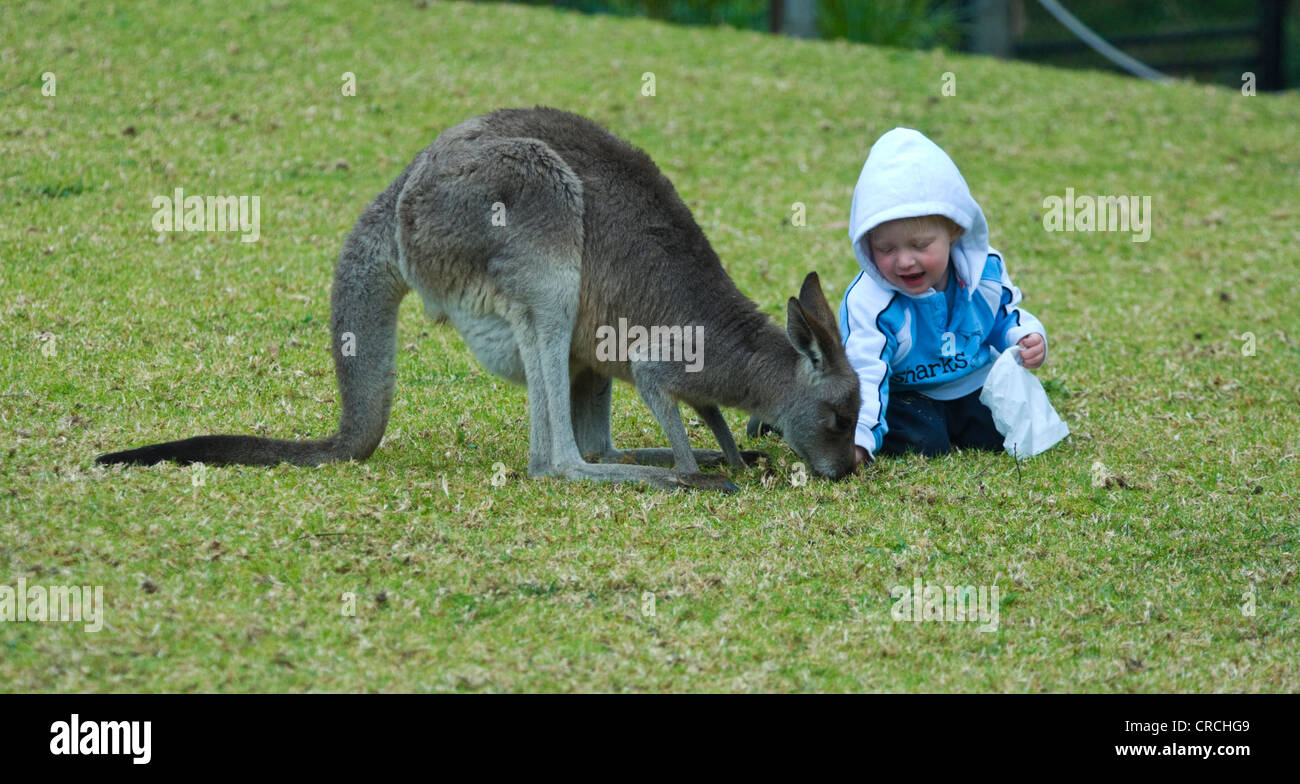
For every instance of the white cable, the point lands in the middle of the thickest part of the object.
(1100, 46)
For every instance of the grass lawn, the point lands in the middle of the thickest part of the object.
(1174, 361)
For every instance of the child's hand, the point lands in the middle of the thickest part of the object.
(859, 455)
(1034, 350)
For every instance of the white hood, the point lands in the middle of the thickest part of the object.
(907, 175)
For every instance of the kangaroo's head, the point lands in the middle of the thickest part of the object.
(821, 413)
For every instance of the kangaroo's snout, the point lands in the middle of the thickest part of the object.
(839, 471)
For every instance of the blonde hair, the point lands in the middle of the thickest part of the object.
(922, 222)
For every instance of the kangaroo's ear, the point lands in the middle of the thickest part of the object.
(810, 336)
(814, 301)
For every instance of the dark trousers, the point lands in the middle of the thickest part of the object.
(933, 427)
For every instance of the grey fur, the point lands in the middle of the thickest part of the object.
(592, 232)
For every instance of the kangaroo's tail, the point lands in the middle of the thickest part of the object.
(363, 323)
(218, 450)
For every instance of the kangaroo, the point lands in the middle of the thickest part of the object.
(530, 230)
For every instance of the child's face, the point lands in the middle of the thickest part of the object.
(911, 257)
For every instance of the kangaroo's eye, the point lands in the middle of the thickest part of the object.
(842, 422)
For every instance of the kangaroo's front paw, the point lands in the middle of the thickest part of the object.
(753, 458)
(715, 482)
(758, 428)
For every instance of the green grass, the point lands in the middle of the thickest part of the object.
(236, 585)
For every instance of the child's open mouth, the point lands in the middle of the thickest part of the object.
(912, 279)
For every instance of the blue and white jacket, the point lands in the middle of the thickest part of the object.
(939, 343)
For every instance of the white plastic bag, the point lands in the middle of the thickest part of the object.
(1021, 410)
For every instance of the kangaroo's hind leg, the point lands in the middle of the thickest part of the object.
(589, 409)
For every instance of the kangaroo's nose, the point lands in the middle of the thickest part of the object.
(839, 474)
